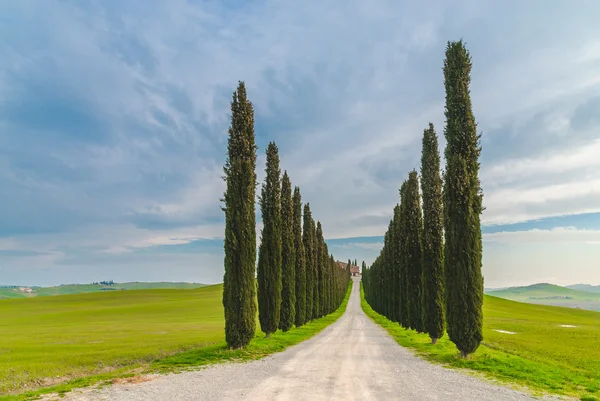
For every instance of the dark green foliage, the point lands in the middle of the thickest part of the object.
(269, 252)
(462, 198)
(318, 302)
(414, 252)
(323, 284)
(300, 261)
(288, 257)
(433, 243)
(309, 240)
(332, 283)
(315, 271)
(403, 313)
(239, 287)
(395, 264)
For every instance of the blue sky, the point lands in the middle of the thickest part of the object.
(114, 115)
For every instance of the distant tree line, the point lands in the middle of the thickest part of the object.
(428, 274)
(296, 279)
(107, 283)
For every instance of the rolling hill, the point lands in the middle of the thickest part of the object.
(8, 292)
(549, 294)
(585, 287)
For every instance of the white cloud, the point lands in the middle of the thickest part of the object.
(554, 235)
(345, 91)
(563, 182)
(374, 246)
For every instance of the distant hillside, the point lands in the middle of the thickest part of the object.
(549, 294)
(585, 287)
(7, 292)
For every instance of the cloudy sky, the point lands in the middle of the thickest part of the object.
(114, 117)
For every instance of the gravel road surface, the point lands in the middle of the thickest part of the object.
(353, 359)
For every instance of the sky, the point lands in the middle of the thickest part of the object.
(114, 118)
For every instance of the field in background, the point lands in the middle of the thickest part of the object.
(545, 348)
(76, 340)
(30, 292)
(549, 294)
(46, 340)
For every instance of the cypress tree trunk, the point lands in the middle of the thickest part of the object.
(300, 261)
(414, 246)
(269, 252)
(433, 251)
(288, 257)
(239, 246)
(308, 240)
(462, 207)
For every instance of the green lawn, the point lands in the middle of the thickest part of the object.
(540, 355)
(74, 340)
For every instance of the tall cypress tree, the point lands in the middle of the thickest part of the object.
(300, 261)
(395, 260)
(320, 268)
(462, 206)
(308, 239)
(433, 243)
(239, 287)
(324, 289)
(288, 257)
(315, 270)
(414, 246)
(269, 252)
(403, 259)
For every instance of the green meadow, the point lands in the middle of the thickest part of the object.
(53, 344)
(66, 289)
(544, 348)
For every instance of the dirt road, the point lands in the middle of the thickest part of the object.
(353, 359)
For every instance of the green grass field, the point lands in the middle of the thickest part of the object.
(541, 354)
(6, 293)
(82, 339)
(549, 294)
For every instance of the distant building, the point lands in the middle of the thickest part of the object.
(354, 270)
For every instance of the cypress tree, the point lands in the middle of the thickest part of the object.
(462, 198)
(414, 246)
(324, 289)
(333, 282)
(239, 287)
(395, 260)
(315, 271)
(269, 252)
(320, 249)
(300, 261)
(288, 257)
(433, 251)
(403, 259)
(308, 240)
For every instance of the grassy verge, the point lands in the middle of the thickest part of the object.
(539, 355)
(210, 353)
